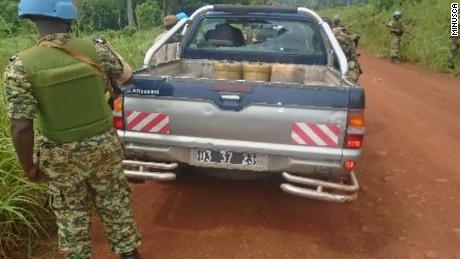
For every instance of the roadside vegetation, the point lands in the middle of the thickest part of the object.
(427, 24)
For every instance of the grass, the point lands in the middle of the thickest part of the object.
(426, 41)
(130, 44)
(25, 221)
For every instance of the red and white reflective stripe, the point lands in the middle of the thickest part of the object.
(313, 134)
(148, 122)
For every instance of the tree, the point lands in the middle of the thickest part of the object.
(9, 20)
(102, 14)
(130, 13)
(148, 14)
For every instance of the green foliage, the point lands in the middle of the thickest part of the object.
(9, 21)
(426, 40)
(22, 211)
(133, 47)
(100, 14)
(148, 15)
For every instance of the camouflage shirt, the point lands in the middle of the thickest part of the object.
(346, 43)
(21, 103)
(396, 25)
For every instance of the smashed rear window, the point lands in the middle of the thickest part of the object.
(254, 35)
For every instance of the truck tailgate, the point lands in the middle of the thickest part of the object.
(255, 112)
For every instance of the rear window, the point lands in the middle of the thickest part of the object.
(255, 35)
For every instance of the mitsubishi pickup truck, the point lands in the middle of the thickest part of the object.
(299, 117)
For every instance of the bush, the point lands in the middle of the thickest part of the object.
(426, 40)
(148, 15)
(134, 47)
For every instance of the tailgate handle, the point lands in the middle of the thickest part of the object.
(230, 97)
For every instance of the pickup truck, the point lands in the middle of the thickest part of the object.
(304, 122)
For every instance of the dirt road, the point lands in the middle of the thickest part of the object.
(409, 206)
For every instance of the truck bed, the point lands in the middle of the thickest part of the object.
(309, 75)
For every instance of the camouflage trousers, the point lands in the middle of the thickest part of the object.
(354, 71)
(395, 46)
(83, 175)
(453, 51)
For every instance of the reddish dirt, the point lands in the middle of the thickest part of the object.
(408, 207)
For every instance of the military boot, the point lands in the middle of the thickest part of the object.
(131, 255)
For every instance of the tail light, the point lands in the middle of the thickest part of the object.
(118, 122)
(355, 130)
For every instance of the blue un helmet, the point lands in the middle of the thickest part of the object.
(397, 14)
(181, 16)
(59, 9)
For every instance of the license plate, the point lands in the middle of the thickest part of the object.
(229, 159)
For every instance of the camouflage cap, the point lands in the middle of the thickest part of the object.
(169, 21)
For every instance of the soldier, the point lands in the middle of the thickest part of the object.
(169, 51)
(349, 48)
(63, 80)
(337, 22)
(454, 47)
(355, 37)
(397, 30)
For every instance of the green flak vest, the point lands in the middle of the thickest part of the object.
(72, 104)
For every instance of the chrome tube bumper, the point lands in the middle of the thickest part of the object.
(140, 170)
(319, 190)
(323, 190)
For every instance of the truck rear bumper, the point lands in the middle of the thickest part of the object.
(321, 190)
(301, 186)
(299, 161)
(281, 157)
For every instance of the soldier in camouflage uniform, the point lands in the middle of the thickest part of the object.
(355, 37)
(397, 30)
(82, 166)
(170, 50)
(453, 51)
(349, 48)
